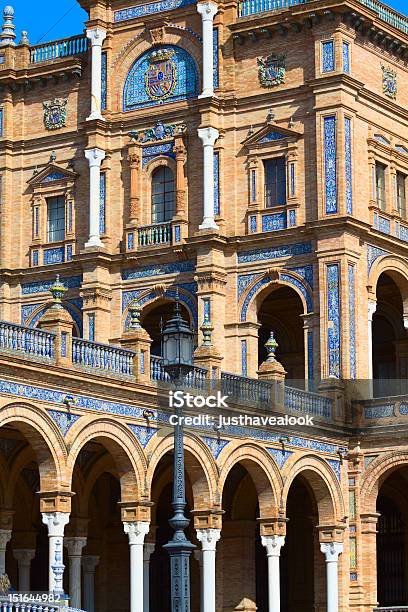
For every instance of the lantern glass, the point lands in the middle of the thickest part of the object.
(177, 342)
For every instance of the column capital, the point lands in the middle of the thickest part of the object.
(136, 531)
(372, 307)
(89, 563)
(331, 550)
(96, 35)
(5, 536)
(24, 556)
(74, 545)
(208, 538)
(273, 544)
(208, 136)
(95, 157)
(207, 10)
(56, 522)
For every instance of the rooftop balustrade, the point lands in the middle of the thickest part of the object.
(58, 49)
(384, 12)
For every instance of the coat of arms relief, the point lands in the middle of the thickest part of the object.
(161, 76)
(272, 70)
(55, 113)
(389, 81)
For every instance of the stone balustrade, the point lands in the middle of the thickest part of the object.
(27, 341)
(151, 235)
(16, 601)
(57, 49)
(96, 356)
(385, 13)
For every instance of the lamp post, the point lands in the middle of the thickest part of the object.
(177, 342)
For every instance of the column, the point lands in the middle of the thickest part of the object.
(55, 522)
(332, 550)
(273, 545)
(95, 158)
(89, 563)
(24, 556)
(74, 547)
(208, 136)
(147, 553)
(372, 307)
(208, 539)
(207, 11)
(136, 532)
(96, 36)
(5, 536)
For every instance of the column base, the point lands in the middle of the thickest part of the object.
(95, 115)
(207, 93)
(94, 243)
(208, 224)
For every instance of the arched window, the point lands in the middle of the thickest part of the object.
(163, 195)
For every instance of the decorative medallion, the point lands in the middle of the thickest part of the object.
(161, 76)
(272, 70)
(160, 131)
(55, 113)
(390, 85)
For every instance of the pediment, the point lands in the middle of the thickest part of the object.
(268, 134)
(52, 173)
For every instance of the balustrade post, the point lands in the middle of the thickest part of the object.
(59, 322)
(273, 371)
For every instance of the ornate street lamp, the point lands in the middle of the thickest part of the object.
(177, 346)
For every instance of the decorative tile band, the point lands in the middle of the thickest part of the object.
(161, 269)
(102, 203)
(216, 58)
(333, 317)
(150, 8)
(53, 256)
(91, 326)
(216, 445)
(216, 164)
(244, 358)
(346, 57)
(302, 248)
(277, 221)
(253, 224)
(152, 151)
(328, 56)
(104, 79)
(253, 185)
(352, 319)
(310, 359)
(71, 282)
(374, 253)
(348, 166)
(330, 164)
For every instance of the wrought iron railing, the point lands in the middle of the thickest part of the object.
(27, 341)
(250, 389)
(105, 357)
(308, 402)
(151, 235)
(384, 12)
(57, 49)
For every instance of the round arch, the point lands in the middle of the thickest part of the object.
(122, 445)
(73, 311)
(148, 297)
(263, 471)
(263, 284)
(377, 472)
(44, 437)
(160, 75)
(396, 267)
(200, 466)
(323, 482)
(140, 45)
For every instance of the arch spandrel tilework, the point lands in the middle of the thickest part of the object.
(160, 75)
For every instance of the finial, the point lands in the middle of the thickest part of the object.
(8, 34)
(206, 328)
(135, 311)
(271, 345)
(270, 116)
(250, 131)
(24, 38)
(35, 171)
(53, 157)
(57, 290)
(291, 122)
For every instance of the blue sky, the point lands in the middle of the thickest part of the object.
(40, 17)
